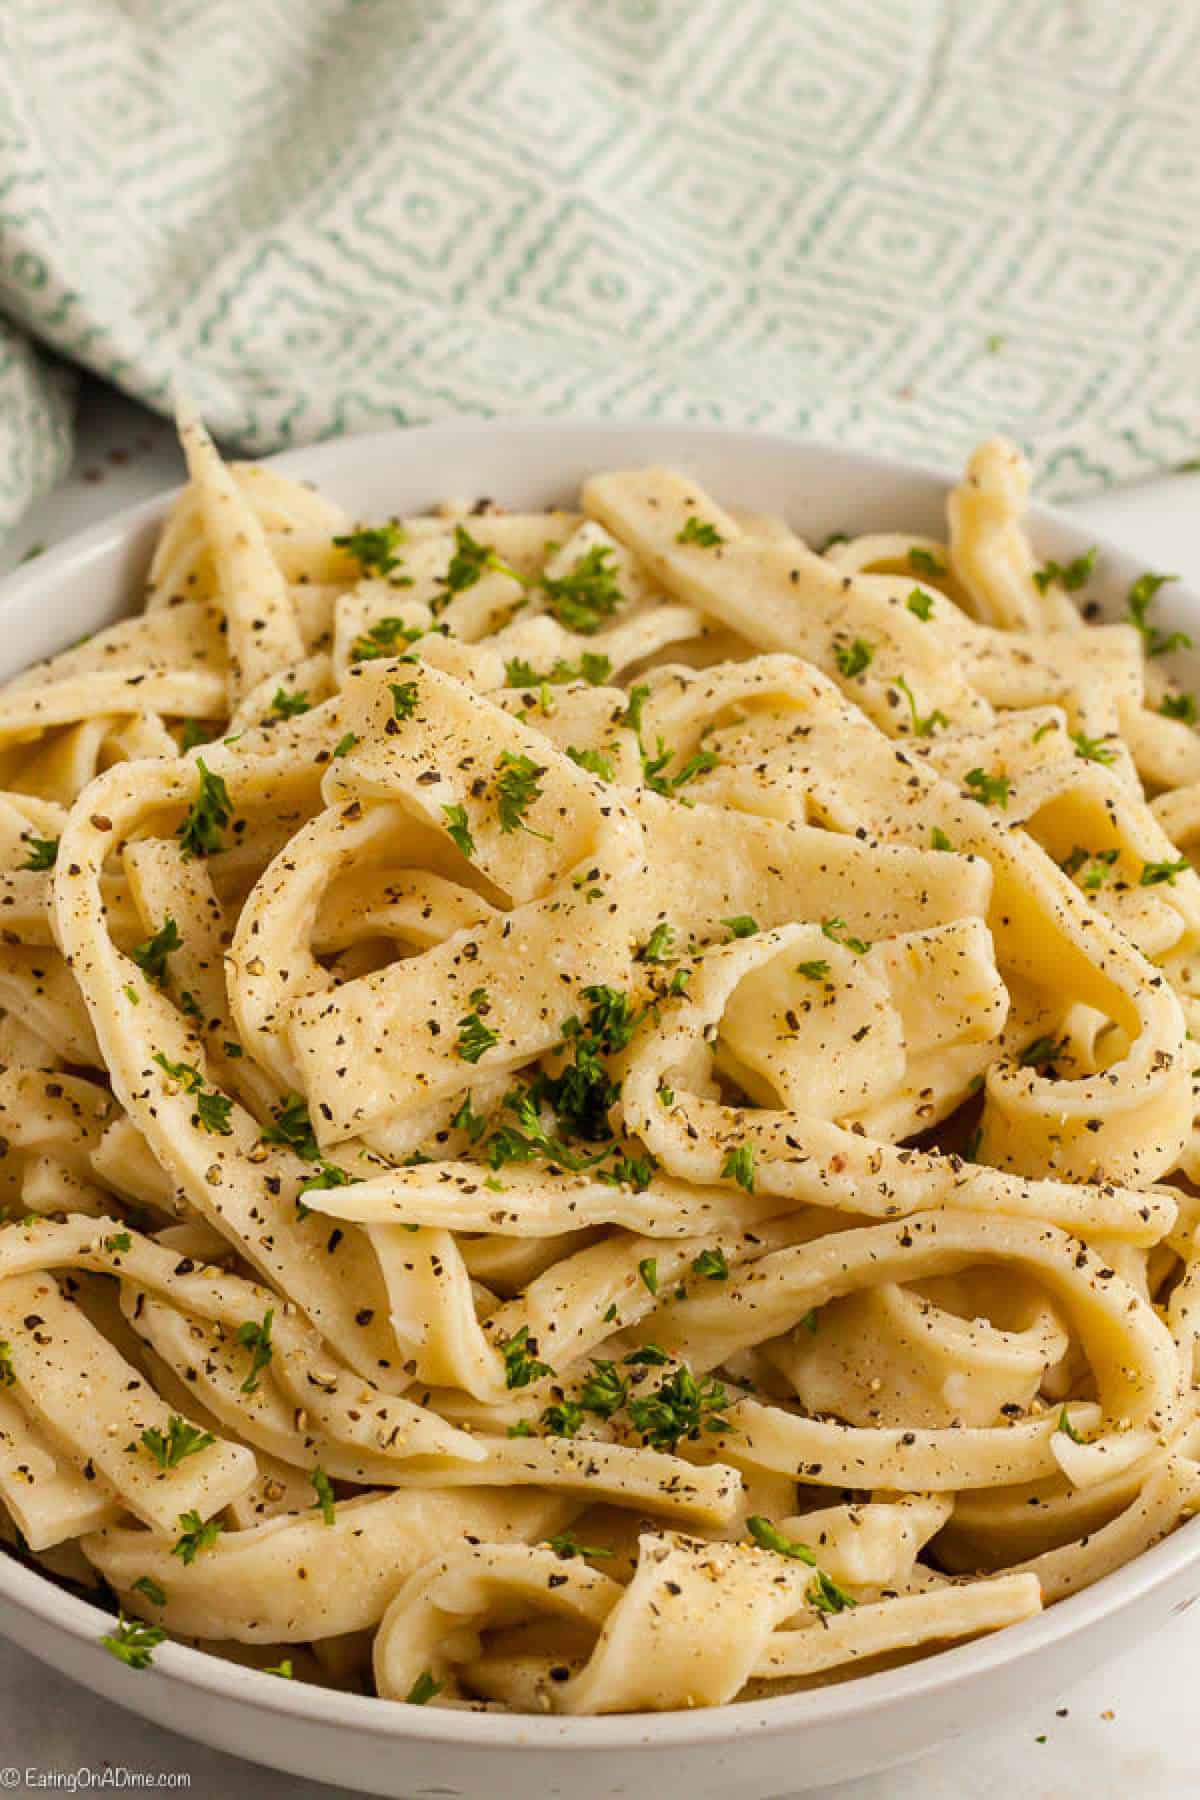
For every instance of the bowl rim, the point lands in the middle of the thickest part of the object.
(41, 1598)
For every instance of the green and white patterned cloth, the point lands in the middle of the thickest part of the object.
(895, 223)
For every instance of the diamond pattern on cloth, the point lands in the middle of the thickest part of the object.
(899, 224)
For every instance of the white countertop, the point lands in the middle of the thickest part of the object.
(1127, 1733)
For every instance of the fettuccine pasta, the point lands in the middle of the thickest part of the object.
(597, 1109)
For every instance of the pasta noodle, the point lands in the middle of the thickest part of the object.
(595, 1108)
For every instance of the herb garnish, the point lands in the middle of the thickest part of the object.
(923, 724)
(516, 790)
(133, 1642)
(1155, 873)
(196, 1535)
(992, 790)
(1156, 642)
(43, 853)
(1070, 576)
(323, 1489)
(1092, 749)
(180, 1440)
(290, 706)
(257, 1339)
(739, 1166)
(699, 531)
(853, 658)
(210, 813)
(458, 830)
(423, 1689)
(374, 547)
(680, 1407)
(474, 1037)
(589, 594)
(521, 1364)
(151, 957)
(924, 562)
(835, 931)
(566, 1545)
(769, 1537)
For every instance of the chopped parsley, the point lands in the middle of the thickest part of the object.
(145, 1584)
(211, 811)
(1097, 866)
(521, 1363)
(1179, 706)
(43, 853)
(1042, 1052)
(992, 790)
(180, 1440)
(458, 830)
(1155, 873)
(939, 840)
(563, 1418)
(594, 761)
(835, 931)
(589, 594)
(921, 604)
(769, 1537)
(196, 1535)
(516, 790)
(474, 1037)
(924, 562)
(374, 547)
(133, 1642)
(1092, 749)
(648, 1274)
(741, 926)
(290, 706)
(711, 1265)
(257, 1339)
(639, 693)
(151, 957)
(1064, 1425)
(212, 1109)
(657, 948)
(593, 668)
(854, 657)
(1155, 642)
(739, 1166)
(1070, 576)
(825, 1596)
(323, 1489)
(384, 638)
(923, 724)
(344, 745)
(291, 1125)
(816, 970)
(283, 1669)
(423, 1689)
(470, 562)
(404, 698)
(700, 532)
(566, 1545)
(680, 1407)
(118, 1244)
(604, 1390)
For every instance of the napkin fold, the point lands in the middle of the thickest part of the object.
(900, 224)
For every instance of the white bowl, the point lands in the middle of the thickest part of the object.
(768, 1747)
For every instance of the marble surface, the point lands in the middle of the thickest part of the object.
(1126, 1733)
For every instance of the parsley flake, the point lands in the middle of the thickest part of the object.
(180, 1440)
(700, 532)
(210, 813)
